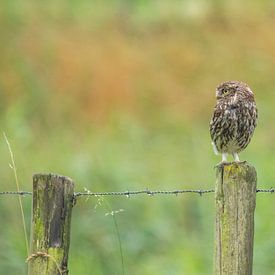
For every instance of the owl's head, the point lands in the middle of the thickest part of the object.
(232, 88)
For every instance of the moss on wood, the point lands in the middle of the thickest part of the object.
(52, 208)
(235, 205)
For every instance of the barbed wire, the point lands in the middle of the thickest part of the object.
(22, 193)
(271, 190)
(137, 192)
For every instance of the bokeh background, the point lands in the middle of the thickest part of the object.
(118, 96)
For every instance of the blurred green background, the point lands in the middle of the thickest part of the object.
(118, 96)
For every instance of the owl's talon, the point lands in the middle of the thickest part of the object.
(236, 157)
(240, 162)
(222, 164)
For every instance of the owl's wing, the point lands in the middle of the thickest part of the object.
(215, 123)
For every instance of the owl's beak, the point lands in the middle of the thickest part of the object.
(232, 106)
(233, 102)
(235, 98)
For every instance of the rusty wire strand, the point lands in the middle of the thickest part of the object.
(45, 255)
(133, 193)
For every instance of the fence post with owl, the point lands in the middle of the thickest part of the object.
(235, 205)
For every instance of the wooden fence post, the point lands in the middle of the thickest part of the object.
(235, 205)
(51, 219)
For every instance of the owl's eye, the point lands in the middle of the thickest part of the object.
(224, 91)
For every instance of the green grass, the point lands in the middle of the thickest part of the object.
(158, 234)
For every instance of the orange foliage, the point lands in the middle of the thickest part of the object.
(171, 68)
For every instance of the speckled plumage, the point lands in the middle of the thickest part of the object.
(234, 118)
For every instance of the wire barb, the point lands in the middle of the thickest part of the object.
(271, 190)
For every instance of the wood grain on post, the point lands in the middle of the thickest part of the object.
(51, 219)
(235, 205)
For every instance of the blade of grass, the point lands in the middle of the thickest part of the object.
(113, 213)
(13, 167)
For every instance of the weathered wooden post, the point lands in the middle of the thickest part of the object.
(51, 219)
(235, 205)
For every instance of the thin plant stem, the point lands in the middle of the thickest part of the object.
(13, 167)
(119, 241)
(113, 213)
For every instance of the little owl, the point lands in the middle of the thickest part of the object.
(234, 119)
